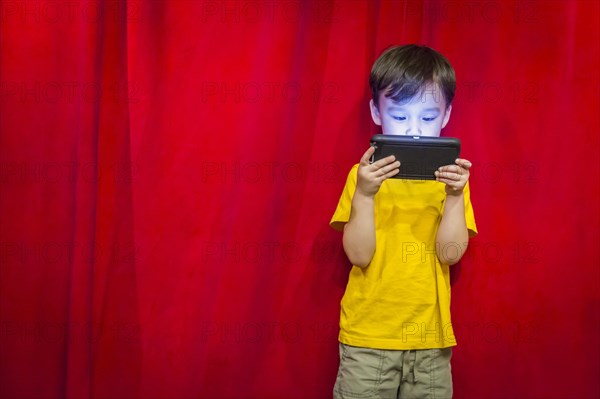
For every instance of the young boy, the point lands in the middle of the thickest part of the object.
(401, 236)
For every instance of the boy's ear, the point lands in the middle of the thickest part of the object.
(447, 116)
(375, 113)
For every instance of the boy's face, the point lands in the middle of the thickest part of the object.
(423, 115)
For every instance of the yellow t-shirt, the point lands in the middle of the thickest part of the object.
(401, 300)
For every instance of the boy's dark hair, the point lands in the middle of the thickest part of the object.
(403, 72)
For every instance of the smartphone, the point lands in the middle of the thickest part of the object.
(419, 156)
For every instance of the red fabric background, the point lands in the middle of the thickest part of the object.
(169, 169)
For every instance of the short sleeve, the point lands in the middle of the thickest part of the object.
(342, 212)
(469, 215)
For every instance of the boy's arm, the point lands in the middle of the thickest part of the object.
(452, 237)
(359, 232)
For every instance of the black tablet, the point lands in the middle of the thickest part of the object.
(419, 156)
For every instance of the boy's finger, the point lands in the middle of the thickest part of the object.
(391, 173)
(385, 169)
(449, 168)
(448, 175)
(367, 155)
(465, 163)
(446, 181)
(384, 161)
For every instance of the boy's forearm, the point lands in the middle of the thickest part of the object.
(452, 236)
(359, 232)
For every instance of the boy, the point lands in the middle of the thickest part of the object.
(401, 236)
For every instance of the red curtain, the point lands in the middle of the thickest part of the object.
(169, 170)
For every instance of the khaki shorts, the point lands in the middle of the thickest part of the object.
(380, 373)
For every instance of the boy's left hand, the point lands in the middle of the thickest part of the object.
(454, 176)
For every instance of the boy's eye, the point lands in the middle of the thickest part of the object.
(399, 118)
(429, 118)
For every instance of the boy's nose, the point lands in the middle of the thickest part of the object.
(414, 129)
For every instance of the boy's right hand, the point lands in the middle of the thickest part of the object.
(371, 175)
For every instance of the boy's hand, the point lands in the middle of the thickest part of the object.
(454, 176)
(371, 175)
